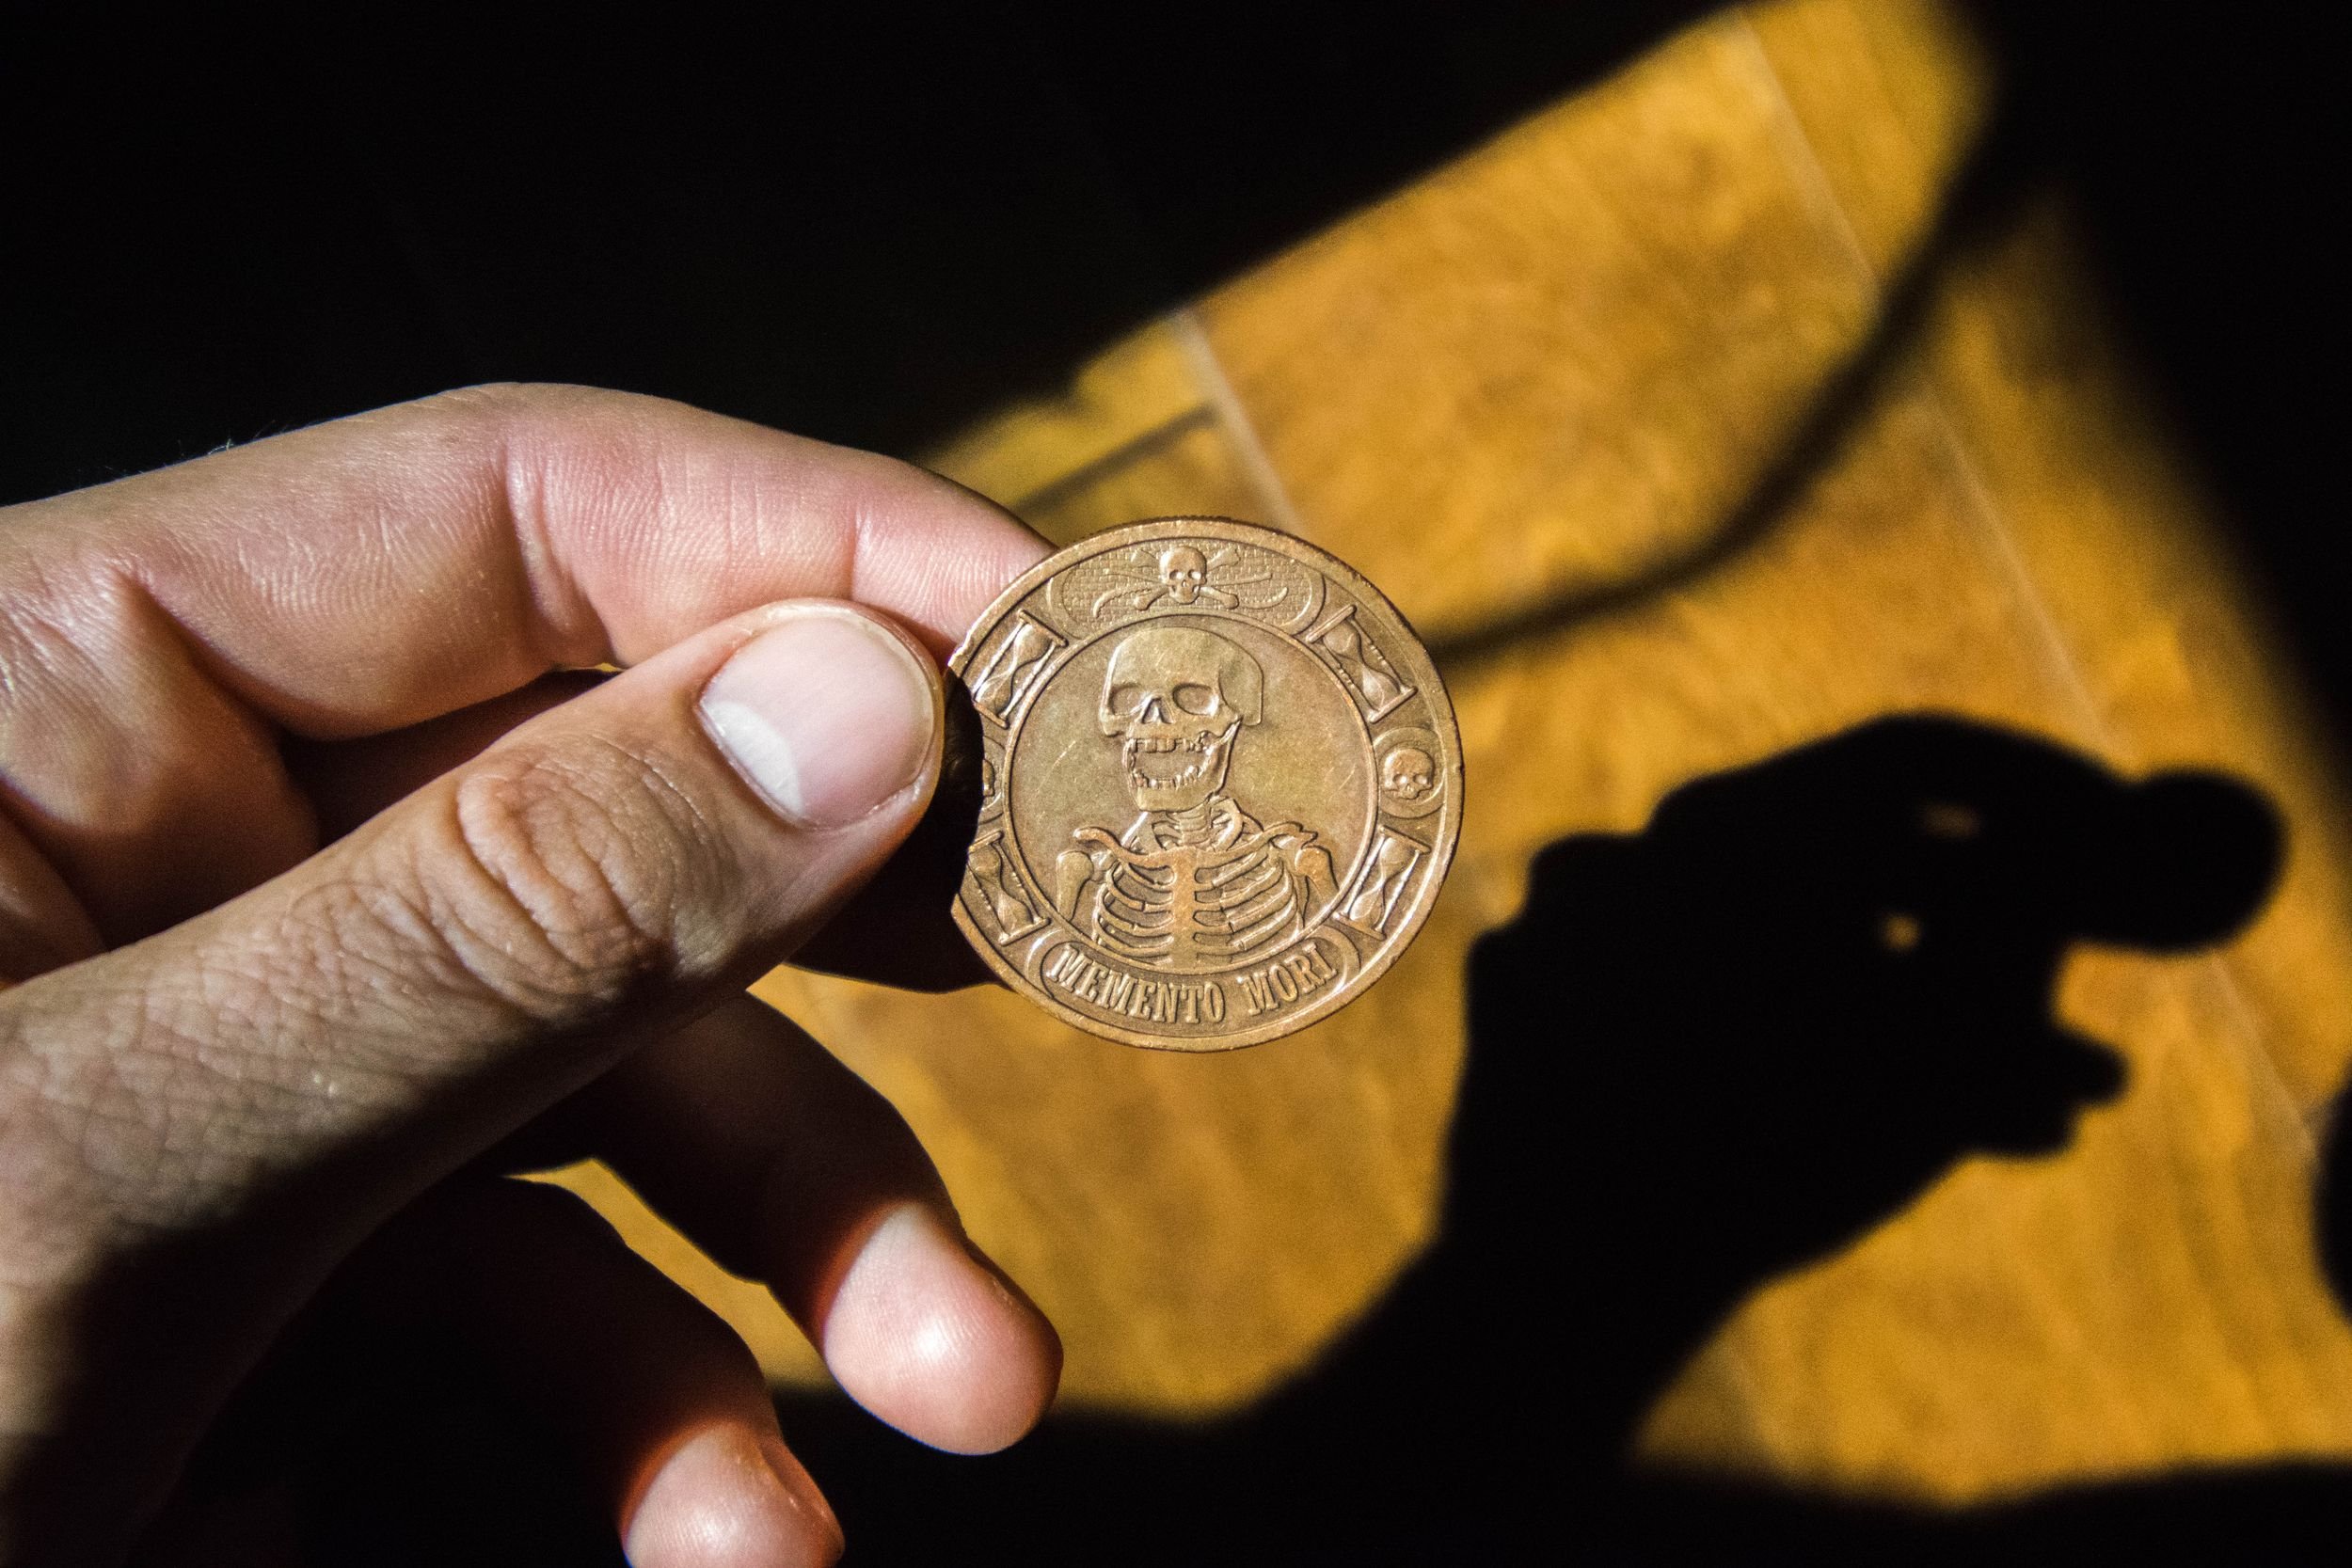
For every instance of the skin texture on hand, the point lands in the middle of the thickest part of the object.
(321, 878)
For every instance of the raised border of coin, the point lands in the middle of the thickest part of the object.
(1351, 913)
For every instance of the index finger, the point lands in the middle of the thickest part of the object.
(366, 576)
(378, 571)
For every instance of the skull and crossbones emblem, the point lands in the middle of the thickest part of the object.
(1184, 576)
(1194, 883)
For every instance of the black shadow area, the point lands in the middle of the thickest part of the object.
(871, 221)
(1701, 1057)
(866, 222)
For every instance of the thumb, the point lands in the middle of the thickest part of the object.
(282, 1072)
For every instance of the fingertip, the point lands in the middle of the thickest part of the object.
(731, 1497)
(829, 712)
(929, 1336)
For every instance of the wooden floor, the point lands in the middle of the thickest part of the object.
(1549, 399)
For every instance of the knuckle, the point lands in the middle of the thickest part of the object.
(102, 1121)
(575, 874)
(527, 423)
(503, 399)
(528, 413)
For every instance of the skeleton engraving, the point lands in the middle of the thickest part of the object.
(1181, 575)
(1196, 883)
(1013, 673)
(1381, 886)
(1364, 667)
(1007, 898)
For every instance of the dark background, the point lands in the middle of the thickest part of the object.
(870, 223)
(867, 222)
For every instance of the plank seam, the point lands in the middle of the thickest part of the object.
(1256, 465)
(1133, 449)
(2056, 650)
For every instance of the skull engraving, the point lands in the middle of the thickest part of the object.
(1407, 773)
(1176, 697)
(1183, 572)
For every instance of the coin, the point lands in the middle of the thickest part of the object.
(1220, 784)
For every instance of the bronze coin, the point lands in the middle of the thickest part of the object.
(1220, 784)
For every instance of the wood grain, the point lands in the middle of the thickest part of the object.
(1543, 388)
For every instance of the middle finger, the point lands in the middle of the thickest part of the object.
(787, 1168)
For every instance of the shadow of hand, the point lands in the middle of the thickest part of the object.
(1711, 1053)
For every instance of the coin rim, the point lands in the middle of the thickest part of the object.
(1443, 723)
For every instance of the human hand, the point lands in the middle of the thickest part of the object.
(321, 881)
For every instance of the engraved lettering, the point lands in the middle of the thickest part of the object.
(1254, 999)
(1296, 974)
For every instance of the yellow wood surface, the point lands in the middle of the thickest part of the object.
(1551, 371)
